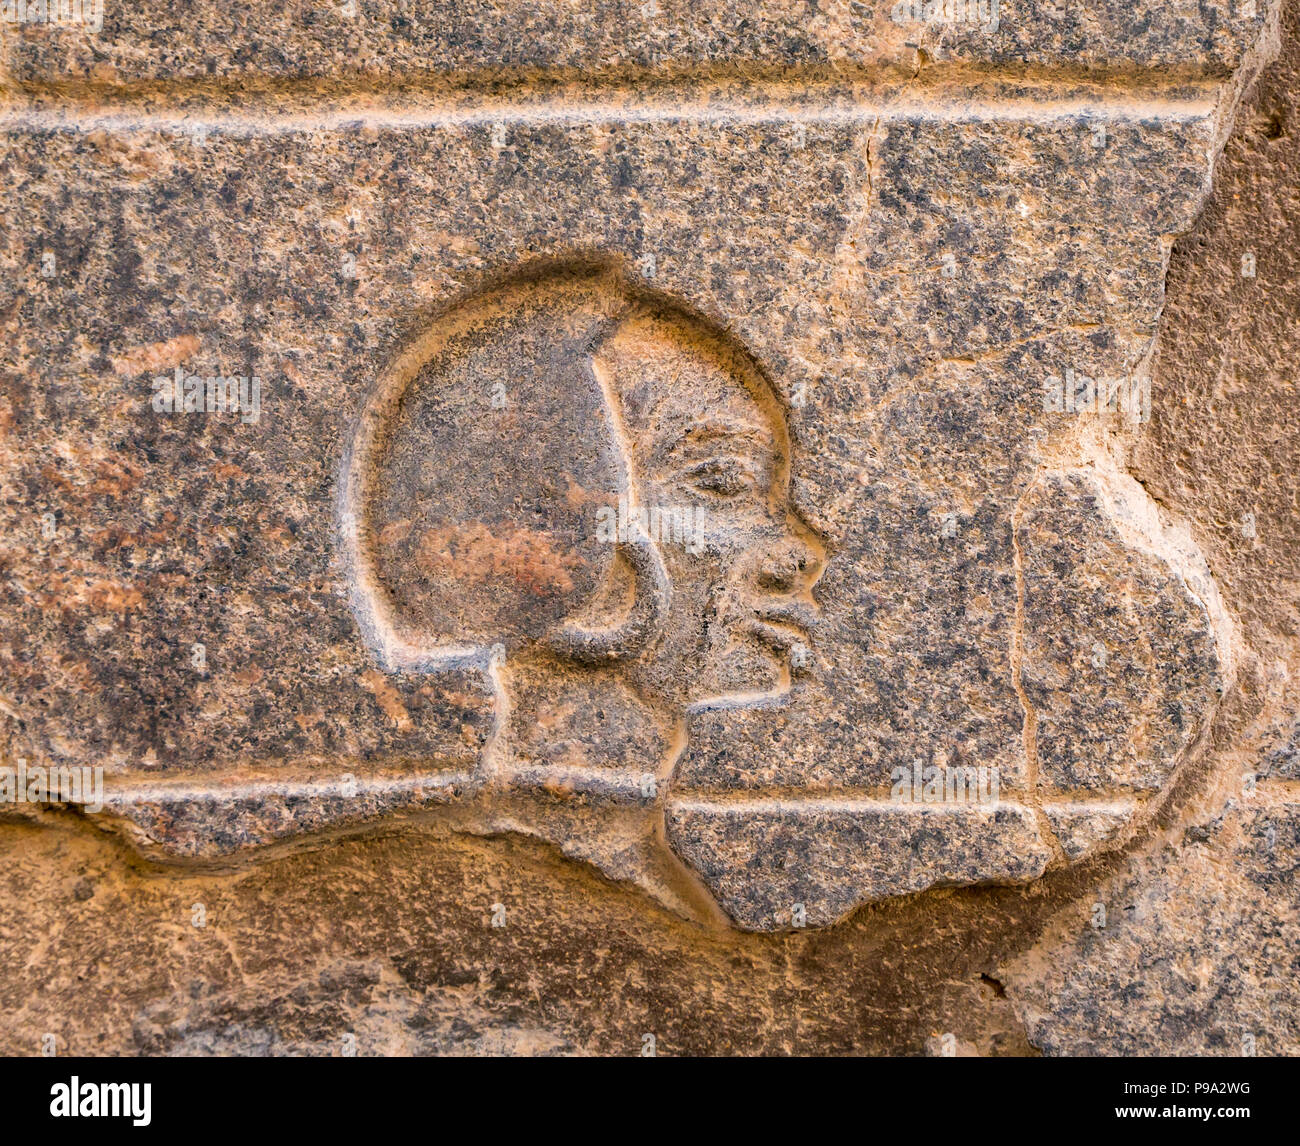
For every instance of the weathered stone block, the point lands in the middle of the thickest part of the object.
(718, 443)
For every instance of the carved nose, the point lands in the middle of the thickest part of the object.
(789, 567)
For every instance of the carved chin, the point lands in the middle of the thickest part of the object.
(744, 668)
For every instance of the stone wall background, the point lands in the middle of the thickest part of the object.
(388, 936)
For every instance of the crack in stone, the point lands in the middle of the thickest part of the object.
(1029, 727)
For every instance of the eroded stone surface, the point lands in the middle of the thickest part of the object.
(1194, 952)
(1121, 664)
(819, 283)
(1079, 825)
(825, 313)
(350, 41)
(1198, 955)
(807, 863)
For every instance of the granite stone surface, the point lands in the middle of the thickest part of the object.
(739, 522)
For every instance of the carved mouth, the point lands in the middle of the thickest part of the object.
(784, 626)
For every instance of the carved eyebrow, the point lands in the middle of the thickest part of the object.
(718, 430)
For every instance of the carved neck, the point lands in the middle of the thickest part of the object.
(575, 726)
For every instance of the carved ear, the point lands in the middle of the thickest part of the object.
(644, 621)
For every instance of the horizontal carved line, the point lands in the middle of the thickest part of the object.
(956, 93)
(833, 803)
(186, 790)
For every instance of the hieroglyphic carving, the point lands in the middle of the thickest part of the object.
(515, 500)
(897, 235)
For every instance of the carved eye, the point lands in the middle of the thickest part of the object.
(723, 476)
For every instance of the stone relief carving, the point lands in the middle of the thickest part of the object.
(566, 513)
(576, 487)
(583, 490)
(513, 511)
(732, 558)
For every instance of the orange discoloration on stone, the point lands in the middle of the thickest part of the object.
(388, 698)
(155, 356)
(99, 596)
(395, 532)
(473, 551)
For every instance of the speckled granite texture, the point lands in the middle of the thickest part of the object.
(770, 526)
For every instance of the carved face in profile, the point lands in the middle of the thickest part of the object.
(567, 468)
(705, 433)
